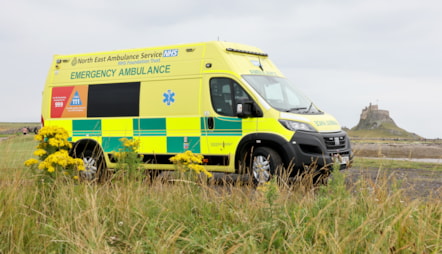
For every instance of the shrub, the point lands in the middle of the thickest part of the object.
(53, 154)
(189, 161)
(128, 158)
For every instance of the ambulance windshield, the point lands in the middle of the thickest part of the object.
(281, 94)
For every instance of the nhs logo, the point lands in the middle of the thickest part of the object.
(170, 52)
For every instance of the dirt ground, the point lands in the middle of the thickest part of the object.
(416, 183)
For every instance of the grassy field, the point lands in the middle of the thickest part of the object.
(6, 129)
(17, 125)
(395, 164)
(198, 217)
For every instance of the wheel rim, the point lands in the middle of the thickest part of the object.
(90, 168)
(261, 169)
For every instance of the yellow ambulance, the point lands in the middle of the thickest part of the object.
(226, 101)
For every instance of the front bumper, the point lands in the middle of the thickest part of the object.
(321, 148)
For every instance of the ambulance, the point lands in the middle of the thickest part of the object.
(225, 101)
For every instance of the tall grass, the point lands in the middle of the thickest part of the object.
(185, 216)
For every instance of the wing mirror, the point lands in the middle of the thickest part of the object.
(247, 109)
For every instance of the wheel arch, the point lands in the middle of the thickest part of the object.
(273, 141)
(85, 144)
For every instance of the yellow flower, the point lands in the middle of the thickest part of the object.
(51, 169)
(118, 155)
(79, 163)
(55, 142)
(31, 162)
(63, 162)
(38, 137)
(40, 152)
(51, 137)
(131, 144)
(43, 165)
(190, 161)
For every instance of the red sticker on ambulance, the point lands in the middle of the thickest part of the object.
(69, 101)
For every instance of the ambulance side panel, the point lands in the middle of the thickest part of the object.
(169, 119)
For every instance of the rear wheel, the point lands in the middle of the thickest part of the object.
(94, 165)
(265, 162)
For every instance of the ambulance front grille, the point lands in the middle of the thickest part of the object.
(335, 142)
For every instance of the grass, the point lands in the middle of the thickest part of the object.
(17, 125)
(7, 128)
(198, 217)
(361, 162)
(15, 150)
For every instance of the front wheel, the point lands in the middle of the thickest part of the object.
(265, 162)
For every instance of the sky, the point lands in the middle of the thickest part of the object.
(344, 54)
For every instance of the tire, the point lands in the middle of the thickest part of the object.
(265, 161)
(94, 165)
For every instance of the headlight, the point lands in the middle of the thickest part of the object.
(297, 126)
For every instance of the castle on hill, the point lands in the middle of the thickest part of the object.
(372, 118)
(380, 123)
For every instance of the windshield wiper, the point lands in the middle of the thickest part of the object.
(296, 109)
(309, 107)
(314, 111)
(306, 110)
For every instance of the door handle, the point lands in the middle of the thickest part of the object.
(210, 123)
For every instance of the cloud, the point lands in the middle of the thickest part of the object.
(373, 36)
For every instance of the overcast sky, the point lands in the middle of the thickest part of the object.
(343, 54)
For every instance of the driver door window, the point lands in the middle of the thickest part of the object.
(225, 93)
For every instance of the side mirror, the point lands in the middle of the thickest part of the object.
(248, 109)
(244, 110)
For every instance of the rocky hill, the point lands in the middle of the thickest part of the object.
(377, 123)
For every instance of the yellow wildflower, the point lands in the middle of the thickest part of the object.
(55, 142)
(190, 161)
(51, 169)
(38, 137)
(31, 162)
(40, 152)
(131, 144)
(117, 155)
(43, 165)
(53, 152)
(78, 163)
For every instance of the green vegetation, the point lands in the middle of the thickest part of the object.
(384, 131)
(8, 129)
(394, 164)
(16, 150)
(193, 216)
(8, 126)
